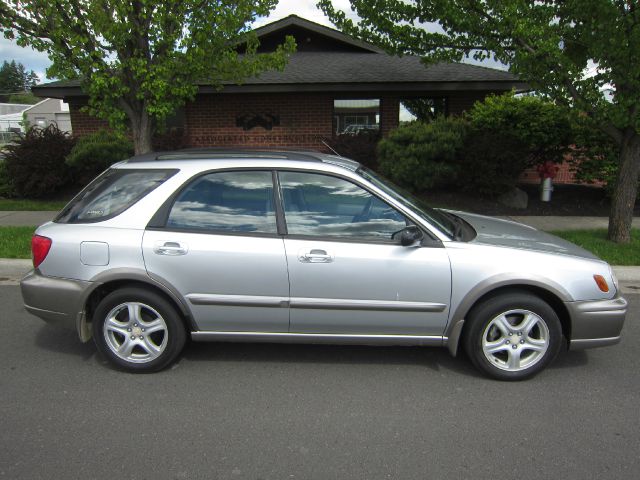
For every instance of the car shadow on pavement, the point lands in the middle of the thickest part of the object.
(437, 359)
(430, 357)
(62, 340)
(568, 359)
(59, 340)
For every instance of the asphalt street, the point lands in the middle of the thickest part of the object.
(246, 411)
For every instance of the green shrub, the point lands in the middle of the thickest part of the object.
(490, 162)
(95, 152)
(541, 127)
(422, 155)
(506, 135)
(486, 152)
(360, 147)
(6, 187)
(35, 162)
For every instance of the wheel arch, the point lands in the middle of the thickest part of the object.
(550, 293)
(109, 282)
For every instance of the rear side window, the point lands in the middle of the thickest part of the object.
(236, 202)
(111, 194)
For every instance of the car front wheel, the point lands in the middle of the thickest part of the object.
(513, 336)
(138, 330)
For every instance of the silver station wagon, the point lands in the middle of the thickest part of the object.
(280, 246)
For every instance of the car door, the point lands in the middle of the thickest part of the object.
(347, 274)
(219, 248)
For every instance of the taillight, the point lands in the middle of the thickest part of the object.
(39, 249)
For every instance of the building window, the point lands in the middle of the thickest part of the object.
(351, 117)
(423, 109)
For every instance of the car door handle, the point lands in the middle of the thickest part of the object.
(315, 256)
(170, 248)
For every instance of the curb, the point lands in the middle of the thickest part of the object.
(12, 270)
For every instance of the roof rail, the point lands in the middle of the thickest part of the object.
(225, 153)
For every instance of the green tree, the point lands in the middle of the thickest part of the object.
(141, 60)
(581, 53)
(15, 79)
(93, 153)
(543, 129)
(24, 98)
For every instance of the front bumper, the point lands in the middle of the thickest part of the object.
(596, 323)
(57, 301)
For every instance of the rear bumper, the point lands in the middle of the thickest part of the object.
(57, 301)
(596, 323)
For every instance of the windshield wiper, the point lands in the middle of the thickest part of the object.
(458, 225)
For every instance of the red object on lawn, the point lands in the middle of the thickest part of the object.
(547, 169)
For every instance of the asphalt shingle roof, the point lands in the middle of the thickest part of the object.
(338, 67)
(358, 68)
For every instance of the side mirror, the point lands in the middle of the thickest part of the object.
(408, 236)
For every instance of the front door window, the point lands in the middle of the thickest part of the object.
(319, 205)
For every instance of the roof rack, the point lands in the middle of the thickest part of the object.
(227, 153)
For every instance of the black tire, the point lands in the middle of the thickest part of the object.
(508, 351)
(144, 325)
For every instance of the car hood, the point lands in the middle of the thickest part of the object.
(507, 233)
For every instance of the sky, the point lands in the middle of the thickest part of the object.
(38, 62)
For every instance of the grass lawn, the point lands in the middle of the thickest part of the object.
(31, 205)
(15, 242)
(596, 242)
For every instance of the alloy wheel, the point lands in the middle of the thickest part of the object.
(515, 340)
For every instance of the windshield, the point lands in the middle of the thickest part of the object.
(435, 217)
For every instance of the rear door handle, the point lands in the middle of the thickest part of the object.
(315, 255)
(170, 248)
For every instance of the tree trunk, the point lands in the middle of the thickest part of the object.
(142, 132)
(626, 190)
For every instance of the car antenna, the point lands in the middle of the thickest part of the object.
(329, 147)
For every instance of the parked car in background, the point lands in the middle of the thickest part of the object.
(361, 129)
(277, 246)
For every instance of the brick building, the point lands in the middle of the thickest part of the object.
(333, 85)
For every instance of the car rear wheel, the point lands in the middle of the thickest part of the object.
(138, 330)
(513, 336)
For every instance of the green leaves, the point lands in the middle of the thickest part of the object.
(144, 58)
(485, 152)
(570, 50)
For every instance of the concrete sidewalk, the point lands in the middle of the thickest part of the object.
(26, 219)
(11, 270)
